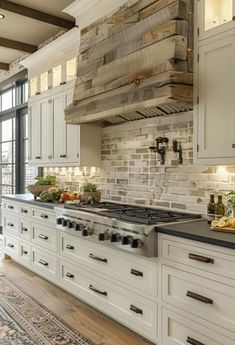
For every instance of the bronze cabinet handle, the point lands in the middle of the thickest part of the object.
(104, 293)
(24, 229)
(136, 309)
(24, 211)
(42, 262)
(70, 247)
(137, 273)
(11, 207)
(94, 257)
(63, 83)
(43, 237)
(10, 245)
(38, 157)
(63, 156)
(10, 224)
(199, 298)
(201, 258)
(69, 275)
(45, 216)
(193, 341)
(24, 251)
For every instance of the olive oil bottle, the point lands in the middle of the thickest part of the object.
(211, 209)
(219, 208)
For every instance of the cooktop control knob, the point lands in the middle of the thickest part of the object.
(116, 237)
(70, 225)
(64, 222)
(86, 231)
(136, 243)
(77, 227)
(103, 236)
(59, 221)
(126, 240)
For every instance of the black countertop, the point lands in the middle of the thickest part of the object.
(198, 230)
(29, 199)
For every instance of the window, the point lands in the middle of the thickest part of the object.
(56, 75)
(15, 173)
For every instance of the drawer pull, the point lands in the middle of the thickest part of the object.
(136, 310)
(201, 258)
(42, 262)
(199, 297)
(44, 216)
(11, 207)
(43, 237)
(137, 273)
(24, 211)
(193, 341)
(104, 293)
(24, 229)
(97, 258)
(10, 245)
(24, 251)
(69, 275)
(10, 224)
(69, 247)
(63, 156)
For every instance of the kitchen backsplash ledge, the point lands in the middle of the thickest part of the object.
(130, 173)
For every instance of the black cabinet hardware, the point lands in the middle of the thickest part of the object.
(24, 251)
(69, 275)
(104, 293)
(193, 341)
(136, 310)
(44, 216)
(38, 157)
(69, 247)
(43, 237)
(10, 224)
(42, 262)
(24, 229)
(63, 156)
(201, 258)
(24, 211)
(97, 258)
(11, 207)
(137, 273)
(199, 297)
(63, 83)
(10, 245)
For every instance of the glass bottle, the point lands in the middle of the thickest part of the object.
(219, 207)
(211, 209)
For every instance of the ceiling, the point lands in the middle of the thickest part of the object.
(33, 30)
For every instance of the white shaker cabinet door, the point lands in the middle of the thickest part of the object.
(46, 130)
(215, 117)
(35, 152)
(60, 137)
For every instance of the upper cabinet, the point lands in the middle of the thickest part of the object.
(215, 16)
(214, 86)
(53, 142)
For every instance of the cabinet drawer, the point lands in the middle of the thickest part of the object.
(43, 216)
(25, 211)
(138, 273)
(180, 330)
(133, 310)
(204, 298)
(11, 224)
(10, 207)
(44, 236)
(25, 229)
(44, 263)
(212, 260)
(25, 253)
(10, 246)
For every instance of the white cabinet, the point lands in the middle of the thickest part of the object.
(215, 16)
(216, 102)
(52, 141)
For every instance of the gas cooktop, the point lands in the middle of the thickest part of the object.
(133, 213)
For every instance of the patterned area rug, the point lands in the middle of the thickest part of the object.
(23, 321)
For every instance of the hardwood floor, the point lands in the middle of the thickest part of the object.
(87, 320)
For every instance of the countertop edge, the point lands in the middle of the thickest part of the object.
(31, 202)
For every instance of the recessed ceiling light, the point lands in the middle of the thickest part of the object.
(2, 16)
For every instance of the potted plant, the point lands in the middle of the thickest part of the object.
(230, 209)
(90, 190)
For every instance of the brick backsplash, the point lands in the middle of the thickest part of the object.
(130, 173)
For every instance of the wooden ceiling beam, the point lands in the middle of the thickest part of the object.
(4, 66)
(11, 44)
(35, 14)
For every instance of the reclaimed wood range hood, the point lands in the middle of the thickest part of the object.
(134, 64)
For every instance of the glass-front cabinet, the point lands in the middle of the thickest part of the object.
(215, 16)
(33, 86)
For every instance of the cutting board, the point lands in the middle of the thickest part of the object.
(229, 230)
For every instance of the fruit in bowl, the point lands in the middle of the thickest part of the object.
(42, 184)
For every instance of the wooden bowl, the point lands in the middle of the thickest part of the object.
(37, 189)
